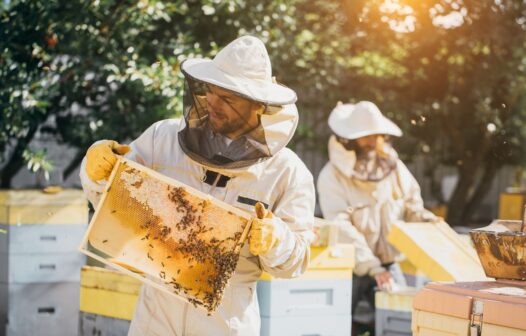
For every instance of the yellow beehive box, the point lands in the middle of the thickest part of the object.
(437, 250)
(327, 262)
(108, 293)
(167, 234)
(511, 205)
(68, 206)
(489, 308)
(398, 300)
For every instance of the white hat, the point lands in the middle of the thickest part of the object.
(243, 66)
(352, 121)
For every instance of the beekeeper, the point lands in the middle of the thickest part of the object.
(230, 145)
(365, 188)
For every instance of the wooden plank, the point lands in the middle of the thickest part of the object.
(437, 251)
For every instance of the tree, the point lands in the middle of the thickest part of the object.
(83, 71)
(453, 75)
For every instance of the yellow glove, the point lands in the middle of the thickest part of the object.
(262, 237)
(101, 158)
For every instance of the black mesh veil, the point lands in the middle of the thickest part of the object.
(209, 147)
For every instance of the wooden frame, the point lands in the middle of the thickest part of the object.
(166, 234)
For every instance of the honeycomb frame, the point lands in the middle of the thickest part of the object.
(167, 234)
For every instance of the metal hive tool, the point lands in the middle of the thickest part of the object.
(167, 234)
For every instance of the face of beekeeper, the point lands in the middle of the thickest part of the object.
(370, 143)
(231, 115)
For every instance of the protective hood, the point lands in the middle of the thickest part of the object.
(223, 98)
(200, 142)
(371, 168)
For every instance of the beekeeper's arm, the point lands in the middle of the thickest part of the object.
(100, 158)
(336, 209)
(282, 240)
(413, 202)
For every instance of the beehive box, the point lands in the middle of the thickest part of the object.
(495, 308)
(437, 250)
(22, 207)
(98, 286)
(511, 205)
(316, 303)
(166, 234)
(93, 324)
(46, 309)
(393, 312)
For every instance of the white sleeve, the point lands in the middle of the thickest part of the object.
(294, 218)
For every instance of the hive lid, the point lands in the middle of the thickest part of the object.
(174, 237)
(437, 250)
(502, 303)
(38, 197)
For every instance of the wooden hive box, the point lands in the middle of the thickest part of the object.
(167, 234)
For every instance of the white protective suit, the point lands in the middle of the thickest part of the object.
(281, 181)
(364, 210)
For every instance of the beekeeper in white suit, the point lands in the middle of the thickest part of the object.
(365, 188)
(230, 145)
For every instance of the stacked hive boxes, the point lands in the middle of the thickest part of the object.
(39, 262)
(317, 303)
(434, 252)
(99, 287)
(393, 312)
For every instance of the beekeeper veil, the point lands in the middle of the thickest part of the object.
(235, 114)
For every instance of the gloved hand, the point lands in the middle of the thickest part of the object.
(384, 281)
(263, 233)
(101, 158)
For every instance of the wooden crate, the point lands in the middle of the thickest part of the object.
(185, 241)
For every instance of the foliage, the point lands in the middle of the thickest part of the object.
(460, 89)
(37, 162)
(451, 73)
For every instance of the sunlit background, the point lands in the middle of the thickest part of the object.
(450, 73)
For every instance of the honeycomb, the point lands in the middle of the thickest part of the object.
(172, 236)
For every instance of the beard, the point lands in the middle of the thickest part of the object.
(374, 165)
